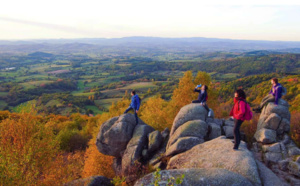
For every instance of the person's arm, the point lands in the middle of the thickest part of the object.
(196, 90)
(277, 94)
(242, 110)
(231, 112)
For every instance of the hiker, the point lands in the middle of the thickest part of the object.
(273, 96)
(202, 97)
(238, 112)
(134, 105)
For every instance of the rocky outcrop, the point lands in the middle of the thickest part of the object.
(122, 138)
(186, 136)
(196, 149)
(187, 113)
(273, 119)
(115, 134)
(134, 149)
(218, 153)
(91, 181)
(190, 128)
(210, 176)
(273, 146)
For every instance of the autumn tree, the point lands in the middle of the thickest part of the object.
(26, 148)
(154, 113)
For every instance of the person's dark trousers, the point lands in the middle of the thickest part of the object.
(204, 105)
(135, 114)
(266, 100)
(236, 133)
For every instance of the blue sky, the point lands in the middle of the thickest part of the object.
(252, 20)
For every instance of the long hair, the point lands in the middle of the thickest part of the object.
(241, 93)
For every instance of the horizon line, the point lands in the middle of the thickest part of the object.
(108, 38)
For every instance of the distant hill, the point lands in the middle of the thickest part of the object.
(197, 44)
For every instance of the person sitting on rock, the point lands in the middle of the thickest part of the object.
(202, 97)
(134, 105)
(273, 96)
(238, 113)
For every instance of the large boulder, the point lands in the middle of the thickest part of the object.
(115, 134)
(186, 136)
(188, 113)
(272, 121)
(228, 130)
(215, 131)
(267, 176)
(91, 181)
(195, 128)
(136, 145)
(155, 139)
(209, 176)
(279, 109)
(218, 153)
(265, 136)
(294, 168)
(183, 144)
(275, 118)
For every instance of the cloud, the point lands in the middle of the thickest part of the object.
(56, 27)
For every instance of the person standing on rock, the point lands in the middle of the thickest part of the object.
(134, 105)
(202, 97)
(273, 96)
(238, 113)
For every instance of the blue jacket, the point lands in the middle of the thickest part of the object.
(135, 102)
(201, 96)
(276, 91)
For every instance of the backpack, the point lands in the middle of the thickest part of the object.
(284, 91)
(248, 112)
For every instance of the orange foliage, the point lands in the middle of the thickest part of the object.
(26, 148)
(295, 127)
(65, 168)
(30, 153)
(97, 163)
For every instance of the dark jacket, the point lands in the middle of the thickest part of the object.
(201, 96)
(135, 102)
(276, 91)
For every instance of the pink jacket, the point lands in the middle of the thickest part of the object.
(239, 109)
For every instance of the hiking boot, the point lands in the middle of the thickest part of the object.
(209, 113)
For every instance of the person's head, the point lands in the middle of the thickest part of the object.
(204, 87)
(133, 93)
(239, 93)
(274, 81)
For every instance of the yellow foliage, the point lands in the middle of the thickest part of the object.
(97, 163)
(65, 168)
(26, 148)
(184, 93)
(153, 113)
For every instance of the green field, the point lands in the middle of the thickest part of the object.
(25, 107)
(3, 104)
(141, 85)
(94, 109)
(106, 103)
(33, 84)
(3, 94)
(54, 103)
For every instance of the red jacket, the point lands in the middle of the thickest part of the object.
(239, 109)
